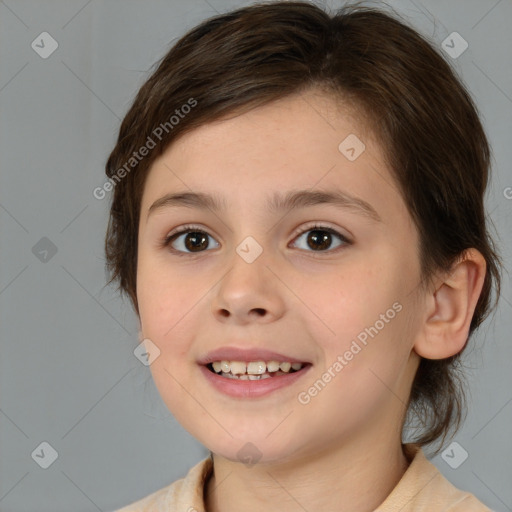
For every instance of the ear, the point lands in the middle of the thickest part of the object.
(449, 309)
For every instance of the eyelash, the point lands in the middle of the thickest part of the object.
(191, 228)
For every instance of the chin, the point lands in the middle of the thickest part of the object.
(250, 452)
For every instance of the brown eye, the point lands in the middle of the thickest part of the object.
(320, 238)
(195, 241)
(188, 241)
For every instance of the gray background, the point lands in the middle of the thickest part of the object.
(68, 375)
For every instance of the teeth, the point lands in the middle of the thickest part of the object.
(256, 368)
(249, 377)
(253, 370)
(237, 367)
(285, 367)
(272, 366)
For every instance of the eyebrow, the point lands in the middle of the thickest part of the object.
(275, 204)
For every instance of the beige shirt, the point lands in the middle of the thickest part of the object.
(422, 488)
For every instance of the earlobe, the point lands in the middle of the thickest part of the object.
(450, 308)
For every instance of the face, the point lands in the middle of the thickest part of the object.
(330, 284)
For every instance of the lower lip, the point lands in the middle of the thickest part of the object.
(252, 388)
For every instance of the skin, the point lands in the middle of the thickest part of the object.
(296, 299)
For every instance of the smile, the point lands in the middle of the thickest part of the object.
(253, 378)
(253, 370)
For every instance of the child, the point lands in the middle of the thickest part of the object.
(298, 220)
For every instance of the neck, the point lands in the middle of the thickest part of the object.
(355, 477)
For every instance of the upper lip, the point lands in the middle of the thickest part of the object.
(246, 354)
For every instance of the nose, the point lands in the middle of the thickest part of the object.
(248, 292)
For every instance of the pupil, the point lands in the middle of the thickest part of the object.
(194, 239)
(317, 238)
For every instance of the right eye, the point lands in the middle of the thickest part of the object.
(196, 240)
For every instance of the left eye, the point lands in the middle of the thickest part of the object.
(196, 240)
(321, 236)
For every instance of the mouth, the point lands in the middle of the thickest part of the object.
(254, 370)
(249, 373)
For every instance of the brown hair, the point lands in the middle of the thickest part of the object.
(422, 115)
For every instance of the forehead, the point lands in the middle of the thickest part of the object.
(304, 141)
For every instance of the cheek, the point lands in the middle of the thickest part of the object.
(166, 316)
(352, 299)
(367, 312)
(164, 295)
(164, 307)
(362, 377)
